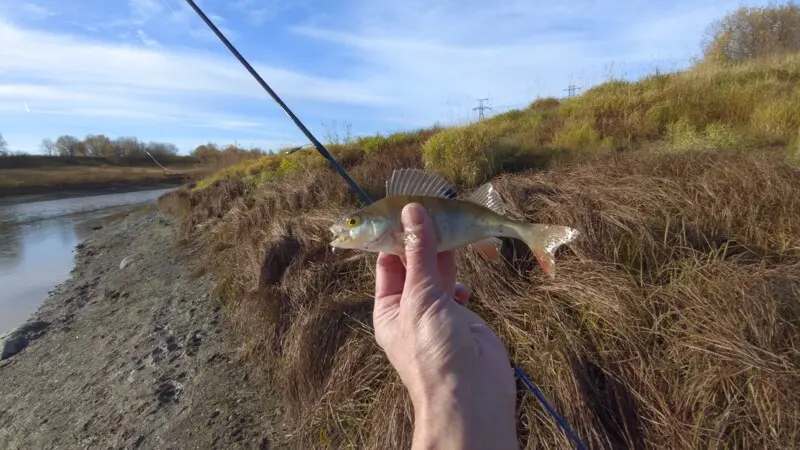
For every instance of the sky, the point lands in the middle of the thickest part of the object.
(153, 70)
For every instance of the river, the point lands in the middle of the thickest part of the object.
(37, 242)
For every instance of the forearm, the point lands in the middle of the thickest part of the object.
(449, 423)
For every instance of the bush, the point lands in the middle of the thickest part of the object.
(716, 136)
(463, 155)
(754, 33)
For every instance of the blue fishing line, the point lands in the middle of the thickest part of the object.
(539, 396)
(364, 197)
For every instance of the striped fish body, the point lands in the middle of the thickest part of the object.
(477, 221)
(457, 223)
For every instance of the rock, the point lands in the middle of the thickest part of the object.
(126, 262)
(35, 329)
(13, 344)
(16, 340)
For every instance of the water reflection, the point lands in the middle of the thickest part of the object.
(37, 241)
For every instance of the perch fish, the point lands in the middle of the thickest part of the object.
(477, 221)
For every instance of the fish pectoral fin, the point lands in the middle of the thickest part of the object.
(486, 195)
(418, 182)
(489, 248)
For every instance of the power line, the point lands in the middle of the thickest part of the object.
(481, 107)
(571, 90)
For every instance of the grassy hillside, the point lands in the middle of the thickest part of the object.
(672, 323)
(710, 107)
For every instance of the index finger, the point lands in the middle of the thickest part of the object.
(390, 276)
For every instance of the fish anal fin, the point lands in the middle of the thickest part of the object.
(486, 195)
(418, 182)
(489, 248)
(546, 261)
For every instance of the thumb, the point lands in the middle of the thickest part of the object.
(420, 252)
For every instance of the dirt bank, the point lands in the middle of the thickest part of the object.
(133, 357)
(21, 194)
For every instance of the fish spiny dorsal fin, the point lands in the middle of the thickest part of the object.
(486, 195)
(418, 182)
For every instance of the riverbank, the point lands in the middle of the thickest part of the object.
(131, 352)
(16, 184)
(76, 193)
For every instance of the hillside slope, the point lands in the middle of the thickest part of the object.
(673, 320)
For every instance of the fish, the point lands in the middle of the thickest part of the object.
(477, 220)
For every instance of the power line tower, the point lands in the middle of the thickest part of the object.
(571, 90)
(481, 107)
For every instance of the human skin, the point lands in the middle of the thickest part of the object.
(457, 371)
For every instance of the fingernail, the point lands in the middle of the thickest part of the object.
(414, 214)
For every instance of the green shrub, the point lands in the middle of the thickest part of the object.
(684, 136)
(462, 155)
(576, 133)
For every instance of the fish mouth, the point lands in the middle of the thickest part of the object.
(340, 237)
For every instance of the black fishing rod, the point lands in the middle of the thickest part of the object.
(320, 148)
(365, 198)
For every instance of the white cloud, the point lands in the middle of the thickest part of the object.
(144, 10)
(34, 10)
(440, 57)
(62, 61)
(146, 39)
(80, 80)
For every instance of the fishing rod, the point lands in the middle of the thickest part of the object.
(366, 199)
(320, 148)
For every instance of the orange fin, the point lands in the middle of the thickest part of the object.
(546, 260)
(489, 248)
(543, 240)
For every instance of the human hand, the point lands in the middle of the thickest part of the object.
(455, 368)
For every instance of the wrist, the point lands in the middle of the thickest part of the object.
(440, 422)
(454, 416)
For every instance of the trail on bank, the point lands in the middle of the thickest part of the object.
(131, 355)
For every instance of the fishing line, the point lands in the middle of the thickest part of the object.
(366, 199)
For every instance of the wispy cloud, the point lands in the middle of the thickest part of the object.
(147, 40)
(62, 75)
(507, 51)
(152, 67)
(144, 10)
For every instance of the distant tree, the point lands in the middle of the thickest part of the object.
(206, 152)
(162, 149)
(99, 145)
(129, 147)
(3, 146)
(752, 33)
(48, 147)
(70, 146)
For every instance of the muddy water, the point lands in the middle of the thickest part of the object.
(37, 240)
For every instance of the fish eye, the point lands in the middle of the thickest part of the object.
(353, 221)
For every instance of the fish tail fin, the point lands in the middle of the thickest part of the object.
(543, 240)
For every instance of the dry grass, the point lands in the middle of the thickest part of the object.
(672, 323)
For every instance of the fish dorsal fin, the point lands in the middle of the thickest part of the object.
(486, 195)
(418, 182)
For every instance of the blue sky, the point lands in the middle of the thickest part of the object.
(151, 68)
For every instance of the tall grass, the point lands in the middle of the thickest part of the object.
(672, 323)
